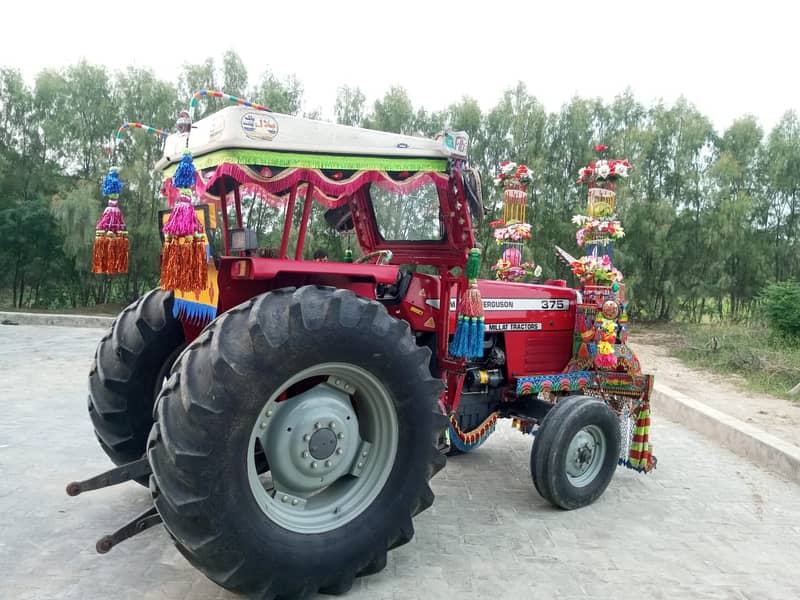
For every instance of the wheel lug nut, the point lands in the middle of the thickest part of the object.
(339, 451)
(269, 413)
(328, 463)
(263, 425)
(364, 454)
(341, 436)
(313, 465)
(317, 425)
(285, 499)
(294, 501)
(332, 425)
(359, 465)
(305, 454)
(306, 437)
(337, 381)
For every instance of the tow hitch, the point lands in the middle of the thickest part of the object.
(134, 470)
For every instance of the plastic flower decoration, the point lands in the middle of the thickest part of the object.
(508, 272)
(599, 231)
(596, 269)
(511, 173)
(513, 232)
(603, 170)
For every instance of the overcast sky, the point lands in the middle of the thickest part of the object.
(728, 58)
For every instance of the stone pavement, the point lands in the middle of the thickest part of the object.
(705, 524)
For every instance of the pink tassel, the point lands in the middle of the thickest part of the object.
(182, 220)
(111, 219)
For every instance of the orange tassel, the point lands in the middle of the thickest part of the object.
(200, 266)
(169, 264)
(100, 253)
(183, 264)
(123, 260)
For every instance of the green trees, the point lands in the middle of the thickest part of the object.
(711, 217)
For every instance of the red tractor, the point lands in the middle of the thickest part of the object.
(288, 414)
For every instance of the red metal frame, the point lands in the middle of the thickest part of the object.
(287, 224)
(237, 200)
(223, 204)
(301, 235)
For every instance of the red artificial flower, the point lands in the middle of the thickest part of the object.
(498, 223)
(504, 163)
(591, 165)
(600, 148)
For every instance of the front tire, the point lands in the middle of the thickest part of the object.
(575, 452)
(321, 384)
(129, 367)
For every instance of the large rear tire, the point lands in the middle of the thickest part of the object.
(129, 367)
(294, 442)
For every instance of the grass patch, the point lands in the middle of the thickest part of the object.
(767, 362)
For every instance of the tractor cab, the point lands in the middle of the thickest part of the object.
(405, 200)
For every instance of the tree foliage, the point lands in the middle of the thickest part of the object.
(711, 218)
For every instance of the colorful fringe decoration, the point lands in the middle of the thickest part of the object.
(466, 441)
(468, 338)
(110, 253)
(641, 454)
(185, 255)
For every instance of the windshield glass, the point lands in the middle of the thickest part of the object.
(414, 216)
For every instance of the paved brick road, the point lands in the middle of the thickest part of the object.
(706, 524)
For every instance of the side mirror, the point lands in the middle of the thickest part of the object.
(474, 194)
(240, 240)
(339, 219)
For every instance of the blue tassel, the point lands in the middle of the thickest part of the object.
(185, 173)
(458, 345)
(476, 338)
(112, 185)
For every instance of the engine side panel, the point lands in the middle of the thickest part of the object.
(537, 321)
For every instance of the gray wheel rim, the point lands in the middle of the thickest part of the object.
(328, 460)
(585, 455)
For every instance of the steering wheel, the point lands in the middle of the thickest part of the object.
(384, 257)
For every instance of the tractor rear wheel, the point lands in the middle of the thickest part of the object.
(294, 441)
(130, 364)
(575, 452)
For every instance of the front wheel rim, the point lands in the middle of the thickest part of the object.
(585, 455)
(330, 448)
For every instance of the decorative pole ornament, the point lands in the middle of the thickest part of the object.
(110, 254)
(602, 318)
(512, 231)
(215, 94)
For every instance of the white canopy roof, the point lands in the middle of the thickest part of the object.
(247, 128)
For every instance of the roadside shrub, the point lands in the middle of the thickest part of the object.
(781, 303)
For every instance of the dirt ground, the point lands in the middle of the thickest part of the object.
(725, 393)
